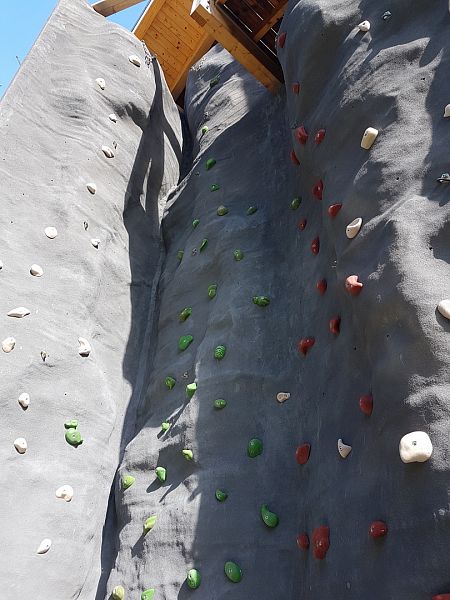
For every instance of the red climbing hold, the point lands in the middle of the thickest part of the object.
(334, 209)
(318, 190)
(301, 135)
(282, 39)
(322, 286)
(321, 541)
(315, 246)
(296, 87)
(305, 344)
(441, 597)
(353, 286)
(335, 325)
(366, 405)
(302, 454)
(319, 137)
(294, 158)
(303, 541)
(302, 224)
(378, 529)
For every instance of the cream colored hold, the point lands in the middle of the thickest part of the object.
(112, 117)
(447, 111)
(101, 83)
(135, 60)
(91, 187)
(415, 447)
(65, 492)
(95, 242)
(19, 312)
(364, 26)
(84, 349)
(51, 232)
(343, 449)
(353, 228)
(283, 396)
(8, 344)
(36, 270)
(24, 400)
(44, 546)
(444, 308)
(107, 152)
(368, 138)
(20, 444)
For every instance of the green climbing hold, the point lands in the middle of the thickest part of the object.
(73, 437)
(127, 481)
(296, 203)
(215, 187)
(73, 424)
(214, 81)
(220, 403)
(238, 255)
(191, 388)
(185, 313)
(188, 454)
(170, 382)
(149, 524)
(205, 129)
(233, 571)
(221, 495)
(161, 474)
(270, 519)
(118, 593)
(222, 211)
(148, 594)
(219, 352)
(195, 223)
(194, 579)
(254, 448)
(212, 291)
(261, 300)
(251, 210)
(203, 244)
(165, 426)
(185, 341)
(180, 255)
(210, 163)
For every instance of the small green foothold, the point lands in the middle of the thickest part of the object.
(212, 291)
(238, 255)
(195, 223)
(73, 437)
(270, 519)
(261, 300)
(127, 481)
(215, 187)
(180, 255)
(194, 579)
(222, 211)
(148, 594)
(220, 403)
(161, 473)
(73, 424)
(203, 244)
(118, 593)
(185, 341)
(205, 129)
(170, 382)
(188, 454)
(210, 163)
(185, 313)
(149, 524)
(219, 352)
(296, 203)
(233, 571)
(221, 495)
(251, 210)
(191, 388)
(165, 426)
(254, 448)
(214, 81)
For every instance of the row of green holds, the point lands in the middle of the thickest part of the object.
(73, 436)
(232, 571)
(219, 352)
(118, 593)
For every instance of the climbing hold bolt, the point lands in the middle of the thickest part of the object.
(366, 404)
(219, 352)
(315, 246)
(191, 388)
(317, 190)
(238, 255)
(170, 382)
(222, 211)
(335, 325)
(220, 403)
(185, 313)
(254, 448)
(294, 158)
(149, 524)
(185, 341)
(302, 454)
(321, 541)
(193, 579)
(320, 136)
(161, 474)
(251, 210)
(188, 454)
(303, 541)
(215, 187)
(221, 495)
(305, 344)
(210, 163)
(378, 529)
(127, 481)
(368, 138)
(203, 244)
(269, 518)
(415, 447)
(333, 210)
(301, 135)
(118, 593)
(343, 449)
(364, 26)
(261, 300)
(212, 291)
(321, 286)
(296, 203)
(233, 571)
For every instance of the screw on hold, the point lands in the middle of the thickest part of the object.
(44, 355)
(214, 81)
(296, 203)
(85, 225)
(170, 382)
(221, 495)
(127, 481)
(185, 341)
(251, 210)
(191, 388)
(301, 135)
(203, 244)
(185, 313)
(254, 448)
(165, 426)
(195, 223)
(269, 518)
(118, 593)
(212, 291)
(261, 300)
(222, 211)
(188, 454)
(161, 474)
(148, 594)
(204, 130)
(386, 15)
(215, 187)
(180, 255)
(210, 163)
(305, 344)
(220, 403)
(193, 579)
(444, 178)
(294, 159)
(149, 524)
(238, 255)
(219, 352)
(233, 571)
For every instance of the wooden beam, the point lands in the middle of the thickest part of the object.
(244, 49)
(110, 7)
(147, 18)
(269, 23)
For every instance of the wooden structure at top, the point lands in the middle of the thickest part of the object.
(180, 32)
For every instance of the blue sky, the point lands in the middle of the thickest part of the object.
(21, 22)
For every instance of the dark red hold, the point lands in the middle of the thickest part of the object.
(353, 286)
(294, 158)
(321, 541)
(296, 87)
(321, 286)
(301, 135)
(441, 597)
(282, 39)
(335, 325)
(302, 224)
(366, 405)
(305, 344)
(334, 209)
(315, 246)
(319, 137)
(303, 541)
(302, 454)
(378, 529)
(318, 190)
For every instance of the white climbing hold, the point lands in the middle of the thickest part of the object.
(8, 344)
(84, 348)
(95, 242)
(364, 26)
(24, 400)
(283, 396)
(107, 152)
(65, 492)
(91, 187)
(19, 312)
(51, 232)
(36, 270)
(44, 546)
(368, 138)
(20, 444)
(415, 447)
(343, 449)
(444, 308)
(112, 117)
(447, 111)
(100, 82)
(135, 60)
(353, 228)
